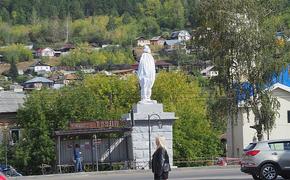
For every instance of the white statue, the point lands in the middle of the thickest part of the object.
(146, 75)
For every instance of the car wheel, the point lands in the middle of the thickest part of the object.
(268, 172)
(256, 177)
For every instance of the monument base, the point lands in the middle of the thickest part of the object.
(150, 121)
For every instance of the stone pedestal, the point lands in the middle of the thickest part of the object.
(160, 125)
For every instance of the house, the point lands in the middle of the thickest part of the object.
(158, 40)
(30, 47)
(46, 52)
(141, 41)
(16, 88)
(240, 133)
(209, 72)
(122, 72)
(182, 35)
(67, 47)
(159, 65)
(37, 83)
(41, 67)
(10, 102)
(174, 44)
(70, 78)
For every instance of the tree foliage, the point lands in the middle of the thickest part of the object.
(236, 36)
(84, 55)
(16, 53)
(108, 97)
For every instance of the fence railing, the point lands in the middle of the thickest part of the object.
(125, 165)
(203, 161)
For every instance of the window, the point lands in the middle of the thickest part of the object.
(15, 135)
(288, 116)
(280, 146)
(287, 146)
(251, 146)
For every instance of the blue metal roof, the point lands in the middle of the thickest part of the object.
(38, 80)
(284, 77)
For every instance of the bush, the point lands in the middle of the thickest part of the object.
(16, 52)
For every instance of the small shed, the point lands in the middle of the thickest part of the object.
(37, 83)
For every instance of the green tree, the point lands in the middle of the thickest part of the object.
(108, 97)
(151, 8)
(16, 52)
(111, 24)
(172, 15)
(235, 35)
(13, 71)
(180, 93)
(150, 27)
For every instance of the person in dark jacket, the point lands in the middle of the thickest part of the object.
(77, 158)
(160, 160)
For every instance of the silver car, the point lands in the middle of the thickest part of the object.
(265, 160)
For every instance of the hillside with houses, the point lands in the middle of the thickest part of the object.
(222, 68)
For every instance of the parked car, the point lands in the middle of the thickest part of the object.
(9, 170)
(265, 160)
(2, 176)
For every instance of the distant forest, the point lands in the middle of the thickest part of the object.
(48, 22)
(28, 11)
(55, 22)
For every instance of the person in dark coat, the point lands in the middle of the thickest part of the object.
(77, 158)
(160, 160)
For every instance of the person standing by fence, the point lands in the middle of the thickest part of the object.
(77, 158)
(160, 160)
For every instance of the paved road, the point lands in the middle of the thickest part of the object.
(228, 173)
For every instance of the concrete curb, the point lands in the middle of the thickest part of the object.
(126, 171)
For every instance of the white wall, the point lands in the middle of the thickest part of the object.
(42, 68)
(243, 134)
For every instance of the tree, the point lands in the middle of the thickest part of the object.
(34, 17)
(193, 135)
(13, 71)
(111, 24)
(151, 8)
(234, 35)
(150, 27)
(108, 97)
(172, 15)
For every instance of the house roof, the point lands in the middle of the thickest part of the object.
(38, 80)
(122, 71)
(172, 42)
(280, 86)
(156, 38)
(44, 49)
(207, 69)
(140, 38)
(10, 101)
(39, 63)
(157, 63)
(71, 77)
(175, 34)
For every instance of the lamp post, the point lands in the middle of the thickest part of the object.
(149, 133)
(6, 144)
(96, 147)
